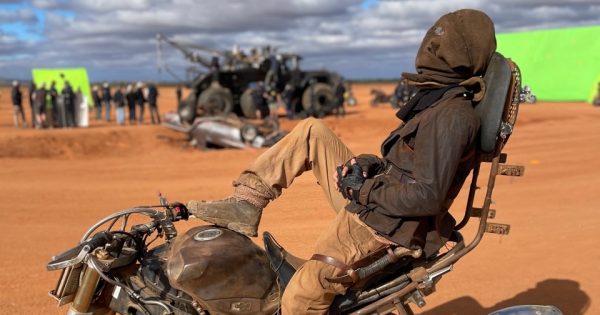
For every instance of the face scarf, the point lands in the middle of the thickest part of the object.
(422, 100)
(455, 52)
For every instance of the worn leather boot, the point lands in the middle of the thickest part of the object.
(232, 213)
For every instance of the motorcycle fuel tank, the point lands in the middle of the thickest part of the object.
(224, 271)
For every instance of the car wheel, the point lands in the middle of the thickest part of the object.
(248, 104)
(324, 98)
(216, 101)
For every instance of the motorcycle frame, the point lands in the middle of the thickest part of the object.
(420, 280)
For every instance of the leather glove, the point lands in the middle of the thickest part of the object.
(351, 183)
(369, 163)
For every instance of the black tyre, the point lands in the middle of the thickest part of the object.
(324, 99)
(248, 104)
(215, 101)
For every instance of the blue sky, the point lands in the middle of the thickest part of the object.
(114, 39)
(23, 30)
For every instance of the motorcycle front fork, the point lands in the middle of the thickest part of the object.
(85, 294)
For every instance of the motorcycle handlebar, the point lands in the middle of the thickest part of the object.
(173, 212)
(77, 254)
(99, 240)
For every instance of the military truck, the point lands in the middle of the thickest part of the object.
(233, 79)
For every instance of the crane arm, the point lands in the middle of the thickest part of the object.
(189, 54)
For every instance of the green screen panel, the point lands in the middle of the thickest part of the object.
(560, 64)
(77, 77)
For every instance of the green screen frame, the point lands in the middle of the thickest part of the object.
(77, 77)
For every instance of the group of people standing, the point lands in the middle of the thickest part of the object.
(49, 108)
(68, 108)
(130, 97)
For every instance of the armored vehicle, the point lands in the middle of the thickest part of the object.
(245, 83)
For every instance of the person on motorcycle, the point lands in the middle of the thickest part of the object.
(399, 199)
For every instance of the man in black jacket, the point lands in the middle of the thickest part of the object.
(119, 100)
(32, 89)
(140, 99)
(340, 91)
(39, 104)
(69, 103)
(399, 199)
(106, 99)
(54, 114)
(130, 97)
(17, 101)
(258, 96)
(152, 99)
(97, 102)
(178, 94)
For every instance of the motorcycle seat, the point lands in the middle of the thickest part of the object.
(283, 263)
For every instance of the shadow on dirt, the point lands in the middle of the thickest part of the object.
(562, 293)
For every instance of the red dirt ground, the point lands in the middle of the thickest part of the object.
(55, 183)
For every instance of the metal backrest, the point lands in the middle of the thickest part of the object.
(499, 106)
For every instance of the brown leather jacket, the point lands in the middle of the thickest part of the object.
(425, 163)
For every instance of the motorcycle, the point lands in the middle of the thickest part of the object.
(213, 270)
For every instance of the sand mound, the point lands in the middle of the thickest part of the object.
(70, 144)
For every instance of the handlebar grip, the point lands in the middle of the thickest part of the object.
(99, 240)
(74, 255)
(177, 211)
(374, 267)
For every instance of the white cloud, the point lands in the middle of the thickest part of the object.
(115, 38)
(18, 16)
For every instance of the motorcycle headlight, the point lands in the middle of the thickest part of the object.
(249, 133)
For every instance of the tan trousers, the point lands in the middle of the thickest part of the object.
(313, 146)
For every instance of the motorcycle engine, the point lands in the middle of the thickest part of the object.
(223, 271)
(150, 281)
